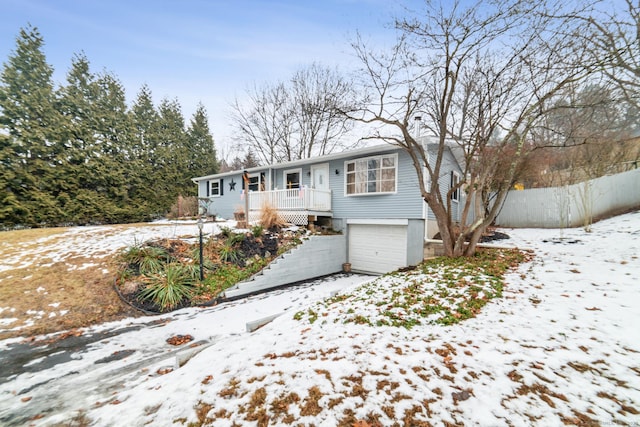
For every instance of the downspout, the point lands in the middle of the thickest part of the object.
(425, 209)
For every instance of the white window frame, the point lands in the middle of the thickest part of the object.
(210, 184)
(259, 183)
(378, 181)
(455, 179)
(290, 171)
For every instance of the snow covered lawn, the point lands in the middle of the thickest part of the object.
(561, 347)
(60, 278)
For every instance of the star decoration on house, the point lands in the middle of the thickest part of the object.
(232, 185)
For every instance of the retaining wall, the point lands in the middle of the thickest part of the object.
(315, 257)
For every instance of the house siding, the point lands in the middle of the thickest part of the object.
(224, 205)
(448, 164)
(406, 202)
(415, 242)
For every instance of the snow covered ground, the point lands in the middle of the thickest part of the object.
(96, 241)
(561, 347)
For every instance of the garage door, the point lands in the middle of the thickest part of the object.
(377, 248)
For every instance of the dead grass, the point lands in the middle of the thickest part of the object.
(202, 411)
(46, 292)
(48, 299)
(27, 236)
(44, 296)
(269, 217)
(311, 406)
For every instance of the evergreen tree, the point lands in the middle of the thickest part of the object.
(173, 155)
(11, 209)
(145, 124)
(105, 198)
(79, 155)
(202, 152)
(250, 160)
(75, 103)
(236, 164)
(143, 151)
(27, 115)
(96, 137)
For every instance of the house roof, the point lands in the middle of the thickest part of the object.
(424, 140)
(294, 163)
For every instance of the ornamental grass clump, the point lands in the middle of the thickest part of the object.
(144, 259)
(269, 217)
(170, 287)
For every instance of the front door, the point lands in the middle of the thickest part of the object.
(320, 176)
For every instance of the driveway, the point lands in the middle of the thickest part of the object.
(54, 374)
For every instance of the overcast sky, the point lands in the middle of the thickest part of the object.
(198, 50)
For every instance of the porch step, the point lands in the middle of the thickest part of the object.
(315, 257)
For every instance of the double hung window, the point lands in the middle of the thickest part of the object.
(214, 188)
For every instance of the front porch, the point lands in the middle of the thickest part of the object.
(293, 205)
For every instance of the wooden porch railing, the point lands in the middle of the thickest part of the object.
(295, 199)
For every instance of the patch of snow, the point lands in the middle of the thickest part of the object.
(36, 314)
(561, 346)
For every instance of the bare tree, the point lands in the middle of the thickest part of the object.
(592, 125)
(317, 91)
(266, 125)
(614, 35)
(295, 119)
(481, 77)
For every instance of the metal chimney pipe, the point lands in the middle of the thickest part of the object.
(417, 125)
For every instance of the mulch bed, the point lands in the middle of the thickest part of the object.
(251, 247)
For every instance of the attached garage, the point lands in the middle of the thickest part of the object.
(381, 246)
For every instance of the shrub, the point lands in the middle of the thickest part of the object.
(257, 231)
(169, 287)
(226, 232)
(229, 254)
(145, 259)
(184, 207)
(235, 238)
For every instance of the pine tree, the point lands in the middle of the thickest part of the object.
(143, 147)
(172, 155)
(250, 160)
(105, 196)
(79, 155)
(75, 103)
(97, 134)
(28, 117)
(202, 151)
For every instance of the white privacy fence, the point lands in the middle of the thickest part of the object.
(571, 205)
